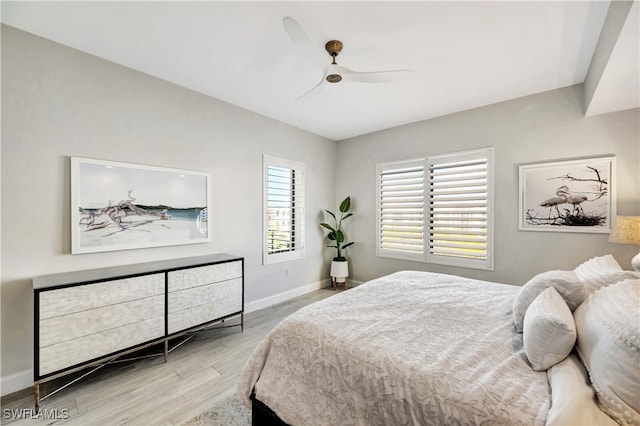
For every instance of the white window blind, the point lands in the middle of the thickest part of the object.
(459, 208)
(283, 209)
(401, 209)
(438, 209)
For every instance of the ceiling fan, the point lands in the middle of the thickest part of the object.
(332, 72)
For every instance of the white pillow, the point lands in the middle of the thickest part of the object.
(603, 280)
(597, 266)
(573, 400)
(549, 332)
(609, 345)
(566, 283)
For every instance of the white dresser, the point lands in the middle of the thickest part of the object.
(84, 318)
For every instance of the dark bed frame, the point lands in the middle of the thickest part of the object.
(261, 415)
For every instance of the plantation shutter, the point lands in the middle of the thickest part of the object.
(459, 208)
(437, 209)
(401, 209)
(284, 200)
(281, 218)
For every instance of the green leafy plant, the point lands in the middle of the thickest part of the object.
(335, 232)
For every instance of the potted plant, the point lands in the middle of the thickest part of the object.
(339, 264)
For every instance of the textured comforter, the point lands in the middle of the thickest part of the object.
(409, 348)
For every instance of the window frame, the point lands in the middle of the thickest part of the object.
(298, 210)
(427, 257)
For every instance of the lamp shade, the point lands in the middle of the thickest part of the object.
(626, 230)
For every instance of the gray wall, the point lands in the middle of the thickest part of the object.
(542, 127)
(58, 102)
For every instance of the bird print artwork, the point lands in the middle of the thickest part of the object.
(572, 199)
(560, 198)
(571, 194)
(564, 196)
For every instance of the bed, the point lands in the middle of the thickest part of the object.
(412, 348)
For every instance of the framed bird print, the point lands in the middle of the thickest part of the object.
(568, 195)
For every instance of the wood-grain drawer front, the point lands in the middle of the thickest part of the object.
(59, 356)
(193, 277)
(79, 298)
(78, 324)
(195, 306)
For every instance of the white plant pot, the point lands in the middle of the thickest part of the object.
(339, 270)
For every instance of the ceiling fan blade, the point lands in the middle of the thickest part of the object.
(313, 91)
(302, 41)
(377, 76)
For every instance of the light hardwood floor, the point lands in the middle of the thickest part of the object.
(151, 392)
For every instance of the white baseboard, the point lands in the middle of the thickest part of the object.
(284, 296)
(16, 382)
(24, 379)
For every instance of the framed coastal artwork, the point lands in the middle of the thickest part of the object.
(568, 196)
(120, 206)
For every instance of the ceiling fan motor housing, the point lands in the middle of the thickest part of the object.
(333, 47)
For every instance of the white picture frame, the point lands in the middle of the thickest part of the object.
(122, 206)
(577, 195)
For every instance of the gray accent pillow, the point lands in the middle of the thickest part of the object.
(566, 283)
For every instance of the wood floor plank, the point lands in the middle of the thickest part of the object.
(151, 392)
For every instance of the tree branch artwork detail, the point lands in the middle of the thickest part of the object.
(114, 215)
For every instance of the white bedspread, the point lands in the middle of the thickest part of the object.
(409, 348)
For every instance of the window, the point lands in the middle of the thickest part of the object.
(438, 209)
(283, 212)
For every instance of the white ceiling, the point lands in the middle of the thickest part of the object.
(463, 54)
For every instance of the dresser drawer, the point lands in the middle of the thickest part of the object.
(72, 326)
(198, 305)
(66, 354)
(68, 300)
(194, 277)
